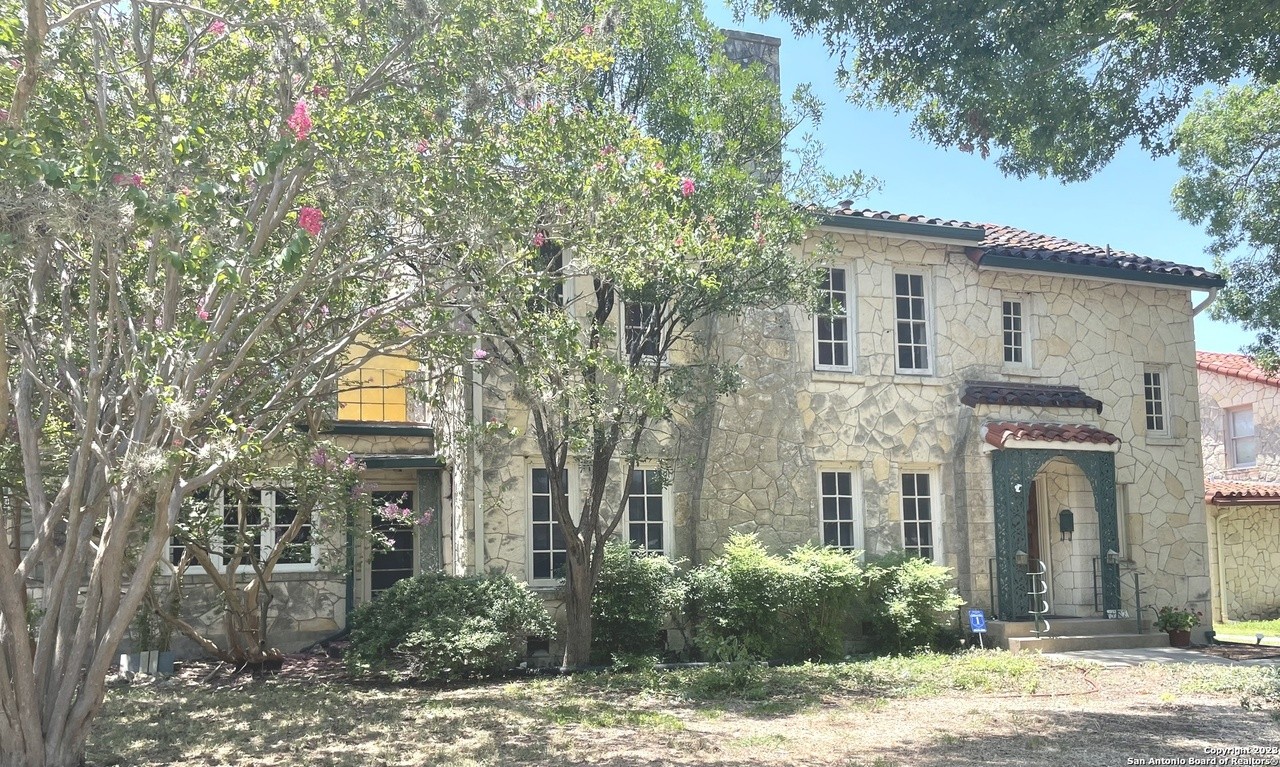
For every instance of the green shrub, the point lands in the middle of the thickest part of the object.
(750, 603)
(634, 599)
(433, 626)
(910, 604)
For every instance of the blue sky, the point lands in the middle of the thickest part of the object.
(1125, 206)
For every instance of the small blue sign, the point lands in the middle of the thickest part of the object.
(977, 621)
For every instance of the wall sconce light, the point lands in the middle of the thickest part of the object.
(1020, 558)
(1113, 557)
(1066, 523)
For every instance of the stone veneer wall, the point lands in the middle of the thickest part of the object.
(1246, 547)
(1247, 553)
(749, 462)
(1219, 393)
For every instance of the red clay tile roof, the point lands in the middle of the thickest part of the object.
(999, 433)
(1224, 492)
(1238, 365)
(1019, 243)
(1051, 253)
(1032, 395)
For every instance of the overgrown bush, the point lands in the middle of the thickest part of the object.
(634, 599)
(910, 604)
(435, 626)
(751, 603)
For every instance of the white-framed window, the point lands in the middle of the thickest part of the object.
(833, 324)
(1155, 397)
(548, 554)
(641, 329)
(911, 324)
(551, 263)
(921, 521)
(1242, 439)
(1015, 330)
(649, 512)
(268, 513)
(840, 509)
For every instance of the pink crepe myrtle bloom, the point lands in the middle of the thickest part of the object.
(127, 179)
(203, 314)
(480, 355)
(686, 187)
(217, 27)
(588, 30)
(320, 91)
(300, 121)
(539, 239)
(310, 220)
(423, 146)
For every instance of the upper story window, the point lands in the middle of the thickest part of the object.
(841, 510)
(1013, 322)
(551, 263)
(648, 519)
(911, 324)
(832, 326)
(1242, 440)
(642, 329)
(919, 515)
(1155, 396)
(547, 544)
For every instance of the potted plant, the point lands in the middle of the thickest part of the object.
(1177, 622)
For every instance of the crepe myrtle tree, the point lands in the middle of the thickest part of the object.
(202, 207)
(683, 216)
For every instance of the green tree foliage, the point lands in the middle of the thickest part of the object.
(1229, 148)
(683, 216)
(437, 626)
(1050, 88)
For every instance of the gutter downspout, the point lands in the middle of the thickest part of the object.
(1209, 299)
(477, 468)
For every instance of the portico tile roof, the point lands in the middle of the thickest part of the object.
(1229, 491)
(1011, 247)
(1000, 433)
(1238, 365)
(1027, 395)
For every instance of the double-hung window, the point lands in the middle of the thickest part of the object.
(641, 329)
(919, 515)
(911, 324)
(833, 325)
(648, 515)
(548, 550)
(1242, 440)
(1155, 396)
(841, 509)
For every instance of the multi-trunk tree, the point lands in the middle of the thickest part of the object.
(202, 206)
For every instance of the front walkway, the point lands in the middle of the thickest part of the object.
(1142, 655)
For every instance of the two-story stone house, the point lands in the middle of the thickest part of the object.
(1241, 406)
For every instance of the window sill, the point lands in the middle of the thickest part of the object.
(546, 588)
(919, 379)
(1163, 440)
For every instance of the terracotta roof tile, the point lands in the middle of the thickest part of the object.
(1019, 243)
(1029, 395)
(1012, 242)
(1238, 365)
(1000, 433)
(1224, 492)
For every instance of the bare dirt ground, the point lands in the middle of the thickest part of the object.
(990, 709)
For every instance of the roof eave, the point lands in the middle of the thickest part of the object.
(961, 235)
(994, 261)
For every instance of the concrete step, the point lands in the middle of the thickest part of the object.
(1088, 642)
(1001, 630)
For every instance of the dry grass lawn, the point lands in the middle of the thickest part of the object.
(979, 708)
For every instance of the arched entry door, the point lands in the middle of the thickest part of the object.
(1013, 474)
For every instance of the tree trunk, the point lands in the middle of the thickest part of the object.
(577, 635)
(62, 748)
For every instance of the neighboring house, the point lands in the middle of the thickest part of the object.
(1241, 408)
